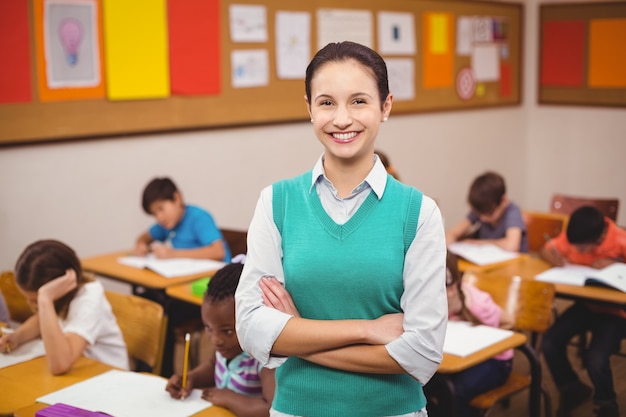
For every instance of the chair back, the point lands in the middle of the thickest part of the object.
(18, 307)
(237, 240)
(528, 302)
(143, 324)
(567, 204)
(541, 224)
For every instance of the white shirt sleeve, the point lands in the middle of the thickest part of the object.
(258, 326)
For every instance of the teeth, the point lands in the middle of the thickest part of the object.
(344, 136)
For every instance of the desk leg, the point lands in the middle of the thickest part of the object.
(534, 397)
(440, 397)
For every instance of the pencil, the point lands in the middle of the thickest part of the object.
(186, 359)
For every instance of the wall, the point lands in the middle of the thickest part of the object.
(87, 193)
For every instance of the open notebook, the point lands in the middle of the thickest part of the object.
(481, 254)
(613, 276)
(171, 268)
(127, 394)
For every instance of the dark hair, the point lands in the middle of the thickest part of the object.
(158, 189)
(45, 260)
(344, 51)
(454, 277)
(486, 192)
(586, 225)
(223, 284)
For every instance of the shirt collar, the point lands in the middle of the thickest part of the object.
(376, 178)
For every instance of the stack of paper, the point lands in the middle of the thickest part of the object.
(480, 254)
(463, 338)
(127, 394)
(174, 267)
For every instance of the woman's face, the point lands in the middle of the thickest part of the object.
(345, 109)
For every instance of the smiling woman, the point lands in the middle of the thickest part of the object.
(339, 315)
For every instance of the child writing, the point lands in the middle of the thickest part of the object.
(468, 303)
(232, 379)
(72, 314)
(594, 240)
(182, 230)
(493, 217)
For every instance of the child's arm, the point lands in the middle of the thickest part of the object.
(214, 251)
(27, 331)
(200, 377)
(142, 245)
(243, 405)
(459, 231)
(62, 350)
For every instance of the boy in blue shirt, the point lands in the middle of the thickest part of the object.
(182, 230)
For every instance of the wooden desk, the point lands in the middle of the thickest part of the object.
(108, 266)
(527, 267)
(465, 265)
(212, 411)
(183, 292)
(22, 383)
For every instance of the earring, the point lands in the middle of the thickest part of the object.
(385, 119)
(311, 120)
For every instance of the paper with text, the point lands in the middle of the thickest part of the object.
(127, 394)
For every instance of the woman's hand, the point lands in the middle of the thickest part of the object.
(276, 296)
(385, 329)
(58, 287)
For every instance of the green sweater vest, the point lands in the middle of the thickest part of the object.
(349, 271)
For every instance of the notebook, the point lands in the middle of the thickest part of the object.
(481, 254)
(612, 276)
(171, 268)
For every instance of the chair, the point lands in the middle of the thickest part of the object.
(541, 224)
(143, 324)
(18, 307)
(566, 204)
(529, 303)
(237, 240)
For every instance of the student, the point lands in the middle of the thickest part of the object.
(232, 379)
(594, 240)
(182, 230)
(72, 314)
(387, 164)
(468, 303)
(363, 260)
(493, 217)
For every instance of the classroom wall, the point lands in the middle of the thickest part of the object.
(87, 193)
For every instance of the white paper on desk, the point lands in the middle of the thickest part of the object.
(171, 268)
(481, 254)
(463, 338)
(127, 394)
(27, 351)
(568, 274)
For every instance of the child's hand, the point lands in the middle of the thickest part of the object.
(276, 296)
(141, 249)
(218, 397)
(162, 251)
(175, 387)
(8, 343)
(385, 329)
(58, 287)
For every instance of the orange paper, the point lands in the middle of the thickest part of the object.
(437, 47)
(607, 53)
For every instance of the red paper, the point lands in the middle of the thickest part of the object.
(15, 66)
(505, 79)
(562, 53)
(194, 39)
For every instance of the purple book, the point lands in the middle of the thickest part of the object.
(64, 410)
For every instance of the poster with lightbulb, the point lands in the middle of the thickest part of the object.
(69, 50)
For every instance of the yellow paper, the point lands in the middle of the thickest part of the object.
(438, 33)
(136, 49)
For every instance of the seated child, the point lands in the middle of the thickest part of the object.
(182, 230)
(72, 314)
(232, 379)
(493, 218)
(468, 303)
(594, 240)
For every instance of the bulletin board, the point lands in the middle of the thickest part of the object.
(464, 55)
(583, 54)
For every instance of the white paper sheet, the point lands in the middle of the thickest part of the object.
(396, 33)
(293, 50)
(171, 268)
(248, 23)
(481, 254)
(127, 394)
(401, 78)
(250, 68)
(336, 25)
(568, 274)
(486, 61)
(463, 338)
(613, 275)
(23, 353)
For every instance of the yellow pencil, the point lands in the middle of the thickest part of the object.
(186, 359)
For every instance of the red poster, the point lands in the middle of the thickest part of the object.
(15, 66)
(194, 39)
(562, 53)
